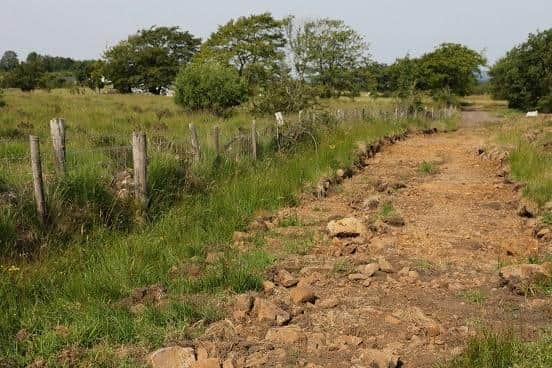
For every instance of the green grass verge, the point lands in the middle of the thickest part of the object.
(76, 289)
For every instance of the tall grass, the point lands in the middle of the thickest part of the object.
(70, 297)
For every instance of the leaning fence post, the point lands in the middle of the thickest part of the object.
(38, 182)
(254, 140)
(140, 159)
(195, 143)
(57, 132)
(216, 140)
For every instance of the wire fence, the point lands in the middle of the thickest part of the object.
(117, 156)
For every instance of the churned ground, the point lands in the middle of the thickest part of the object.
(429, 224)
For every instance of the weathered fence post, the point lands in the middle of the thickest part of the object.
(57, 132)
(38, 183)
(279, 123)
(140, 161)
(254, 140)
(216, 140)
(195, 143)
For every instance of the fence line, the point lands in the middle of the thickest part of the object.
(246, 141)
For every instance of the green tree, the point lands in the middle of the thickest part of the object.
(253, 45)
(403, 76)
(89, 73)
(332, 55)
(450, 66)
(209, 86)
(9, 61)
(524, 75)
(149, 59)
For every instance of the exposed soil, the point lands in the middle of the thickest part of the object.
(460, 226)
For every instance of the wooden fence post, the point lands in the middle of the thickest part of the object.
(38, 182)
(254, 140)
(140, 160)
(57, 133)
(195, 143)
(216, 140)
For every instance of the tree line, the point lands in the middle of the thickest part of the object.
(277, 65)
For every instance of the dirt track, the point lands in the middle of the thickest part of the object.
(460, 225)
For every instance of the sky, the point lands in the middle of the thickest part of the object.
(82, 29)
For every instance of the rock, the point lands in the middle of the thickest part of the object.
(328, 303)
(270, 312)
(548, 206)
(206, 363)
(543, 233)
(352, 341)
(244, 302)
(379, 358)
(257, 359)
(382, 244)
(286, 279)
(394, 220)
(302, 294)
(526, 210)
(371, 203)
(284, 335)
(385, 266)
(348, 227)
(172, 357)
(357, 276)
(368, 269)
(268, 286)
(519, 278)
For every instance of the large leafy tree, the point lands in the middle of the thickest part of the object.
(330, 54)
(149, 59)
(524, 75)
(452, 67)
(403, 76)
(9, 61)
(253, 45)
(89, 73)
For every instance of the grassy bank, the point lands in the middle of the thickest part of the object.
(67, 305)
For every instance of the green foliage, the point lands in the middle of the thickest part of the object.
(149, 59)
(9, 61)
(89, 73)
(427, 168)
(253, 45)
(329, 54)
(504, 350)
(451, 66)
(209, 86)
(283, 94)
(403, 76)
(523, 76)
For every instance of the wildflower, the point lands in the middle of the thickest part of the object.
(13, 269)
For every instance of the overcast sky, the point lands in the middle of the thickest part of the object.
(83, 28)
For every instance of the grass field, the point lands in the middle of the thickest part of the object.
(64, 299)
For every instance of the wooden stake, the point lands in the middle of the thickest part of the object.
(139, 158)
(216, 140)
(57, 132)
(38, 182)
(195, 143)
(254, 140)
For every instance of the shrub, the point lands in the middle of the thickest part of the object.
(209, 86)
(285, 95)
(2, 102)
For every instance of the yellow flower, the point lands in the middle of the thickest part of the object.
(332, 146)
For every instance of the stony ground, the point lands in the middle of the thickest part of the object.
(398, 266)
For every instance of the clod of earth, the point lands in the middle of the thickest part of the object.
(520, 278)
(348, 227)
(174, 356)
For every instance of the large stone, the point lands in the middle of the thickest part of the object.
(385, 266)
(207, 363)
(348, 227)
(368, 269)
(379, 358)
(284, 335)
(302, 294)
(172, 357)
(270, 312)
(286, 279)
(520, 277)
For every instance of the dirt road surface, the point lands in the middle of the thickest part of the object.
(437, 282)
